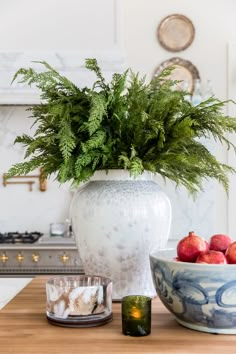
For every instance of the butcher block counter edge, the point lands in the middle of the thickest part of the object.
(25, 329)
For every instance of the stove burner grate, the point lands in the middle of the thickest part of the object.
(18, 237)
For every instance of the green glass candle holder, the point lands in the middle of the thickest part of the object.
(136, 315)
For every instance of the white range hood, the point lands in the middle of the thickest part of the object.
(69, 64)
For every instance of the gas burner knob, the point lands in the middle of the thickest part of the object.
(4, 257)
(65, 258)
(35, 257)
(20, 257)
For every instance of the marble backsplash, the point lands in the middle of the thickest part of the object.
(20, 209)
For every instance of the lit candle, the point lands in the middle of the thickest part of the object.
(136, 315)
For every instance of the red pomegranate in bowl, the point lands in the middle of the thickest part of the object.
(230, 253)
(212, 257)
(220, 242)
(190, 247)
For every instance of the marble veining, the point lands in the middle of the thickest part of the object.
(9, 287)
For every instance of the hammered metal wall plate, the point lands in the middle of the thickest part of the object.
(183, 70)
(175, 32)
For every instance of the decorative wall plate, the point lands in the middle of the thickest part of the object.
(183, 70)
(175, 32)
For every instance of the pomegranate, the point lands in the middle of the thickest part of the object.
(190, 247)
(230, 253)
(219, 242)
(176, 259)
(212, 257)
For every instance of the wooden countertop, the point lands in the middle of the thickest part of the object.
(24, 330)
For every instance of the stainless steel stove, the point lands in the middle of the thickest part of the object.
(17, 237)
(31, 253)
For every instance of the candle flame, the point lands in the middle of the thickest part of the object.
(136, 313)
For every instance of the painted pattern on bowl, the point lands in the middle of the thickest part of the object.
(201, 296)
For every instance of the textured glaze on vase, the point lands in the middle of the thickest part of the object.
(117, 221)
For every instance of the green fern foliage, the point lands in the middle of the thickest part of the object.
(122, 124)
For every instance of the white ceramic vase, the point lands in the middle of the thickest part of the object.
(117, 221)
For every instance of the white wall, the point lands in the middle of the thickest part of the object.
(93, 26)
(56, 24)
(214, 23)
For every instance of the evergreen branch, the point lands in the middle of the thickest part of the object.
(126, 123)
(91, 64)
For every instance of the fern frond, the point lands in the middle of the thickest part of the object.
(97, 112)
(96, 141)
(67, 140)
(24, 168)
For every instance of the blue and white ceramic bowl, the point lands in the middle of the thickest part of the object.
(200, 296)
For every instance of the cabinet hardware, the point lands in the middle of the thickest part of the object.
(4, 257)
(65, 258)
(20, 257)
(35, 257)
